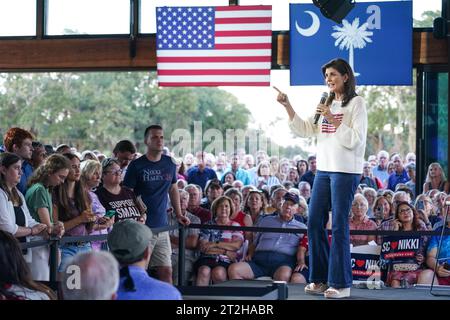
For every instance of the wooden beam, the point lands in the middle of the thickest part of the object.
(91, 54)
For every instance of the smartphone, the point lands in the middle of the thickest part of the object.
(420, 205)
(110, 213)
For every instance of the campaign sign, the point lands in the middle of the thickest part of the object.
(365, 266)
(375, 38)
(401, 251)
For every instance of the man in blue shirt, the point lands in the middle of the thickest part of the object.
(153, 176)
(129, 242)
(200, 174)
(238, 172)
(272, 254)
(399, 175)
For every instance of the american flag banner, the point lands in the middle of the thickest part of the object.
(214, 46)
(329, 128)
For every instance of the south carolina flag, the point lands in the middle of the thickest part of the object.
(214, 46)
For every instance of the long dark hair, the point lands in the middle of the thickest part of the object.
(343, 68)
(416, 218)
(82, 200)
(7, 159)
(14, 269)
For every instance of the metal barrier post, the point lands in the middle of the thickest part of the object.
(181, 255)
(54, 244)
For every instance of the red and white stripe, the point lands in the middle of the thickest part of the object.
(241, 57)
(329, 128)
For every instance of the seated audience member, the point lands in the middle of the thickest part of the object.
(181, 184)
(276, 199)
(213, 190)
(293, 176)
(129, 242)
(405, 219)
(305, 190)
(303, 210)
(424, 207)
(238, 215)
(14, 215)
(264, 177)
(218, 248)
(228, 177)
(366, 179)
(370, 194)
(436, 179)
(360, 221)
(98, 277)
(245, 190)
(194, 203)
(382, 209)
(15, 276)
(237, 184)
(190, 249)
(254, 206)
(200, 174)
(119, 198)
(272, 254)
(302, 168)
(442, 276)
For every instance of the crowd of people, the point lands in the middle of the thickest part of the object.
(58, 191)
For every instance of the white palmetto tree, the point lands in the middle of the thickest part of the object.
(351, 36)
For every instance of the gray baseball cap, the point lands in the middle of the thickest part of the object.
(128, 240)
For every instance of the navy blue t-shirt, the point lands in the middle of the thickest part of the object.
(152, 181)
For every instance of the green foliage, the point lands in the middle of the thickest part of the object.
(95, 110)
(427, 19)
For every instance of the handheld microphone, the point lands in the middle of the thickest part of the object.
(322, 101)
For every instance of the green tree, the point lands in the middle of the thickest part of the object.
(427, 19)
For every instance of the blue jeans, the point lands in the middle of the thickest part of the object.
(68, 251)
(335, 190)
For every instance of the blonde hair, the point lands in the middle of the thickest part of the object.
(88, 168)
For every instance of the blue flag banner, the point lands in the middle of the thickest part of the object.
(375, 38)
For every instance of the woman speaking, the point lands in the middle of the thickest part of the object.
(341, 140)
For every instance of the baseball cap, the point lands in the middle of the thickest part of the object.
(128, 240)
(292, 197)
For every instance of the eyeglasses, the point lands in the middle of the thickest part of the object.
(405, 210)
(358, 205)
(117, 172)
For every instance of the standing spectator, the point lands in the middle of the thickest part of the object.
(272, 254)
(293, 176)
(124, 151)
(372, 159)
(131, 244)
(72, 206)
(14, 215)
(63, 148)
(302, 168)
(200, 174)
(20, 142)
(380, 171)
(221, 165)
(118, 198)
(153, 176)
(194, 207)
(311, 173)
(239, 173)
(38, 156)
(39, 200)
(411, 184)
(99, 277)
(16, 282)
(436, 179)
(410, 158)
(360, 221)
(180, 170)
(188, 161)
(218, 248)
(399, 175)
(91, 171)
(190, 249)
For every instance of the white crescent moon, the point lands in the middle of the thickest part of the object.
(312, 30)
